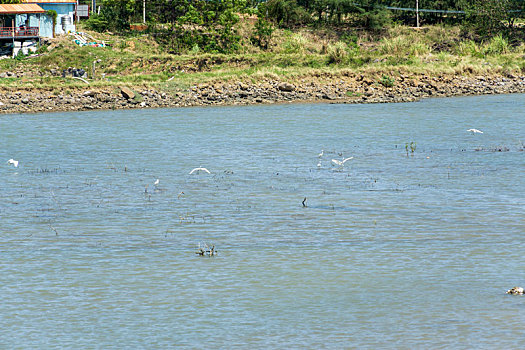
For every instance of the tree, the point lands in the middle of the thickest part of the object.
(489, 17)
(117, 13)
(53, 14)
(286, 13)
(195, 25)
(263, 29)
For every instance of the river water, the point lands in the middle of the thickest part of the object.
(400, 248)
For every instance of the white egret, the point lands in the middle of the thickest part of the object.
(200, 169)
(321, 154)
(475, 131)
(14, 162)
(319, 164)
(156, 182)
(341, 163)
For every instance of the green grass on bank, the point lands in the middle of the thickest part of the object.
(136, 60)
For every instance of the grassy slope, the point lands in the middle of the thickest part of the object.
(137, 61)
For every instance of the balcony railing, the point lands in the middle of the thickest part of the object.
(16, 32)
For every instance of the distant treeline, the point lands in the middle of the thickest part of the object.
(209, 25)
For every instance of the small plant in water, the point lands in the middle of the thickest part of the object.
(410, 146)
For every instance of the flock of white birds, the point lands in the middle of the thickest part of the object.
(335, 162)
(14, 163)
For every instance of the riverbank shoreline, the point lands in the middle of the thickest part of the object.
(346, 88)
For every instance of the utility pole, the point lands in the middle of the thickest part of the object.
(417, 13)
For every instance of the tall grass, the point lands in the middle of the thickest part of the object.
(338, 52)
(469, 48)
(497, 46)
(296, 43)
(419, 49)
(403, 45)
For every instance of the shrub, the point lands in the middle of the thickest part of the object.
(419, 48)
(469, 48)
(387, 81)
(117, 13)
(97, 23)
(395, 46)
(377, 19)
(263, 33)
(296, 43)
(338, 52)
(496, 46)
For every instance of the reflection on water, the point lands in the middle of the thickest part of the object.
(397, 248)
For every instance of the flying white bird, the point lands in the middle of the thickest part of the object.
(200, 169)
(341, 163)
(475, 131)
(14, 162)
